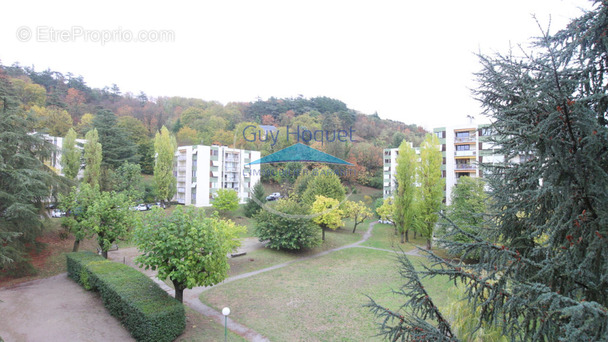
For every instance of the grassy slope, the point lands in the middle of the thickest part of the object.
(318, 299)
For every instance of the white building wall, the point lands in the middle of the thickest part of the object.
(202, 170)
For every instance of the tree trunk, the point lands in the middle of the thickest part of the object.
(414, 235)
(407, 238)
(323, 230)
(76, 245)
(355, 227)
(394, 225)
(179, 291)
(428, 244)
(402, 237)
(104, 254)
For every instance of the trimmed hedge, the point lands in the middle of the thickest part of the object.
(147, 311)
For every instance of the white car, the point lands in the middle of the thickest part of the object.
(57, 213)
(142, 207)
(273, 196)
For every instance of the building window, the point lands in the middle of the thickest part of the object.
(213, 152)
(443, 174)
(462, 134)
(387, 161)
(463, 147)
(480, 146)
(440, 135)
(442, 147)
(444, 161)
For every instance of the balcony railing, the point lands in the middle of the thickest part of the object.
(464, 139)
(465, 167)
(465, 153)
(181, 158)
(181, 190)
(181, 179)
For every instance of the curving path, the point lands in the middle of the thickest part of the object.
(191, 297)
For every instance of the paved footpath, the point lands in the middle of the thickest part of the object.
(191, 297)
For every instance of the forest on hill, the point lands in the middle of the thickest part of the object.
(59, 102)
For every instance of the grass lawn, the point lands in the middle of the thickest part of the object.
(384, 237)
(318, 299)
(200, 328)
(267, 257)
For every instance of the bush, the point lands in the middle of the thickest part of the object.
(285, 232)
(147, 311)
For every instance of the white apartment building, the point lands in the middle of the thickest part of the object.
(463, 147)
(202, 170)
(55, 161)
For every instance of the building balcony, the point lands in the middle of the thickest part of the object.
(465, 153)
(182, 158)
(181, 169)
(181, 190)
(465, 139)
(465, 167)
(181, 179)
(181, 201)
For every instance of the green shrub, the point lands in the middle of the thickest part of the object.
(147, 311)
(76, 263)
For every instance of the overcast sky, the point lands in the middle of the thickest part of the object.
(409, 61)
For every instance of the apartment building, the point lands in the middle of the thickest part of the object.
(55, 161)
(463, 148)
(202, 170)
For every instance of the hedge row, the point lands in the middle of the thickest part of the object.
(147, 311)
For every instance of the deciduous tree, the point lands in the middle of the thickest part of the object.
(405, 208)
(328, 214)
(92, 159)
(287, 226)
(430, 191)
(358, 211)
(225, 200)
(70, 156)
(186, 247)
(165, 146)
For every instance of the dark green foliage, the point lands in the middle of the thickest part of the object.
(147, 311)
(252, 207)
(24, 181)
(543, 261)
(117, 148)
(290, 229)
(127, 178)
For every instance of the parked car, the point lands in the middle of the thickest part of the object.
(273, 196)
(385, 221)
(57, 213)
(142, 207)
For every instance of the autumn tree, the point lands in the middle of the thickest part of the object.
(92, 158)
(328, 214)
(165, 146)
(386, 211)
(186, 247)
(187, 136)
(357, 211)
(70, 156)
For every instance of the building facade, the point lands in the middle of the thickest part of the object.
(55, 161)
(202, 170)
(463, 148)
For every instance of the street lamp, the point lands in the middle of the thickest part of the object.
(226, 312)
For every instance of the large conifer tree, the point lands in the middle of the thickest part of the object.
(543, 270)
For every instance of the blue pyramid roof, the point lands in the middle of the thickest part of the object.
(300, 153)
